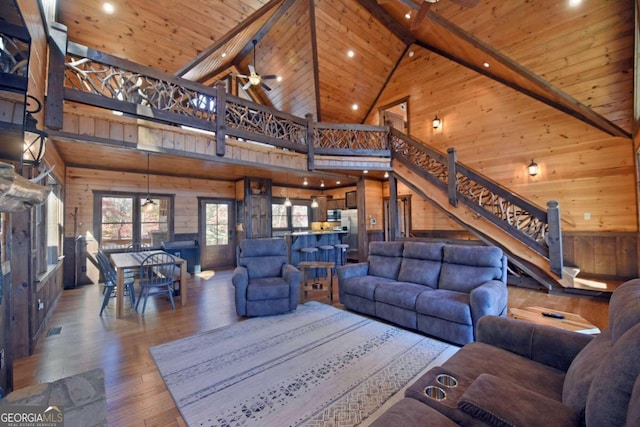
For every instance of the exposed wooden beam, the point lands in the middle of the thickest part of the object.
(314, 52)
(228, 37)
(388, 21)
(546, 92)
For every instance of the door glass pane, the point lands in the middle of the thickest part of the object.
(216, 224)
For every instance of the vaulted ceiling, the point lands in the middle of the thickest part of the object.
(575, 58)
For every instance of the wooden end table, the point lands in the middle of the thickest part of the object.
(307, 265)
(571, 322)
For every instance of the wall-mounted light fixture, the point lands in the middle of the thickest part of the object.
(436, 122)
(34, 138)
(533, 168)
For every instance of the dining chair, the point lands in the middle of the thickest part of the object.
(138, 247)
(110, 280)
(156, 277)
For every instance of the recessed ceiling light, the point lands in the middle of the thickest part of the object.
(365, 171)
(108, 8)
(574, 3)
(354, 107)
(224, 54)
(486, 64)
(279, 78)
(337, 182)
(407, 15)
(351, 54)
(411, 54)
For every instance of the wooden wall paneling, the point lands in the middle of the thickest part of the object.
(21, 286)
(626, 257)
(581, 167)
(374, 205)
(609, 255)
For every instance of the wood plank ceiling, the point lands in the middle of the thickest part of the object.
(576, 59)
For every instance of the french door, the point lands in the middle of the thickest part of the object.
(217, 232)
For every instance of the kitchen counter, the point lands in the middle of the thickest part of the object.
(309, 239)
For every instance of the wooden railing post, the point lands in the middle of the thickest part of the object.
(554, 237)
(55, 81)
(221, 115)
(393, 208)
(310, 151)
(452, 174)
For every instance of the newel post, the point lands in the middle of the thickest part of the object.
(452, 176)
(554, 237)
(310, 151)
(221, 115)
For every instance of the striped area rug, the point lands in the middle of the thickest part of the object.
(317, 366)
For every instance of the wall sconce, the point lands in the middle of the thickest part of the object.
(436, 122)
(533, 168)
(34, 138)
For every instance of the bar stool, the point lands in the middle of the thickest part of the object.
(325, 255)
(308, 254)
(341, 254)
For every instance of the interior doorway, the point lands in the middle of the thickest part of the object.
(404, 217)
(396, 115)
(217, 232)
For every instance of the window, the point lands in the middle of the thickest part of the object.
(47, 230)
(279, 216)
(217, 224)
(295, 217)
(123, 221)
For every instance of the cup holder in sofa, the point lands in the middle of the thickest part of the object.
(447, 380)
(434, 392)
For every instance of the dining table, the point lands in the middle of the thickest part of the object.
(132, 261)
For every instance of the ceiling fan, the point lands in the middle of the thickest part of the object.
(255, 79)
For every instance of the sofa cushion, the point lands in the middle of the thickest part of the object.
(477, 358)
(610, 391)
(624, 308)
(362, 286)
(267, 288)
(265, 266)
(411, 413)
(400, 294)
(582, 371)
(421, 262)
(448, 305)
(385, 258)
(466, 267)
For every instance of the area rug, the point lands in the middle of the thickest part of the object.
(317, 366)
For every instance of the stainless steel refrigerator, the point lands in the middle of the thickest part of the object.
(349, 222)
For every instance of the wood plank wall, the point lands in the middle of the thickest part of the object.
(80, 183)
(497, 131)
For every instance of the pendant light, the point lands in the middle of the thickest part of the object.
(287, 201)
(148, 204)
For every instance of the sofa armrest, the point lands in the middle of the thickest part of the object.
(551, 346)
(292, 276)
(352, 270)
(499, 402)
(240, 281)
(489, 298)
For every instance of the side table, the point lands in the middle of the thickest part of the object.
(304, 266)
(571, 321)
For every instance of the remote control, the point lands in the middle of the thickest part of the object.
(554, 315)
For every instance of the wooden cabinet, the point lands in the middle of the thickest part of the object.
(333, 204)
(258, 208)
(321, 210)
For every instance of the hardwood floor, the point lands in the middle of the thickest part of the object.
(136, 394)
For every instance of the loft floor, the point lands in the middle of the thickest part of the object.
(136, 394)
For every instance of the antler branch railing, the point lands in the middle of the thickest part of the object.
(522, 219)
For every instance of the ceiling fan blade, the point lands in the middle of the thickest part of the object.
(244, 76)
(246, 86)
(420, 15)
(269, 77)
(267, 88)
(252, 69)
(466, 3)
